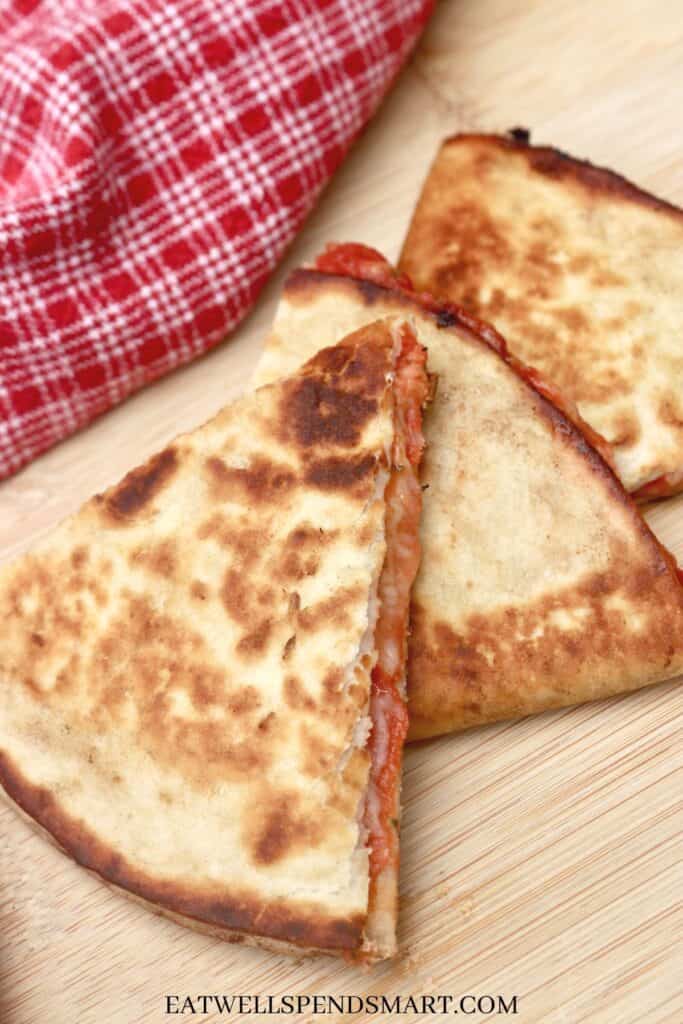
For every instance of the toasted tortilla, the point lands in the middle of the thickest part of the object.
(186, 665)
(540, 584)
(580, 271)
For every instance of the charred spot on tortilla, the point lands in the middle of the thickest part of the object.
(161, 558)
(520, 135)
(199, 590)
(296, 695)
(135, 492)
(294, 566)
(281, 828)
(337, 473)
(255, 641)
(79, 557)
(261, 480)
(288, 649)
(320, 413)
(331, 609)
(332, 406)
(446, 318)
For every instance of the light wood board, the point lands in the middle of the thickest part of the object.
(540, 859)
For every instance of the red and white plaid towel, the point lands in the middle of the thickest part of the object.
(155, 159)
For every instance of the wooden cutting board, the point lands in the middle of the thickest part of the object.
(540, 859)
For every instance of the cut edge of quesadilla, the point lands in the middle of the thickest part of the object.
(354, 412)
(612, 608)
(551, 249)
(388, 708)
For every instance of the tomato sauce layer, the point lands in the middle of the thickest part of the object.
(664, 486)
(403, 500)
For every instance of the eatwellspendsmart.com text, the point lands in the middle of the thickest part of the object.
(322, 1005)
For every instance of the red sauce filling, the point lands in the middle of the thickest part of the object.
(670, 560)
(351, 259)
(664, 486)
(389, 714)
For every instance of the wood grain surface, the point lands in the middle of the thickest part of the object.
(541, 859)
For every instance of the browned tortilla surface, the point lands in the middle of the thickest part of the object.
(185, 662)
(540, 583)
(581, 272)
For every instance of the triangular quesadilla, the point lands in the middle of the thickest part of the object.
(202, 670)
(540, 585)
(581, 272)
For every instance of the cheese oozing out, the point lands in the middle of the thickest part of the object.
(388, 711)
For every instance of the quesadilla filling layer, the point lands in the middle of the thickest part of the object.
(661, 487)
(388, 711)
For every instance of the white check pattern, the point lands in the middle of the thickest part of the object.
(155, 160)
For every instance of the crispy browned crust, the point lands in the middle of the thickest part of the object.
(445, 314)
(462, 680)
(452, 315)
(323, 433)
(139, 487)
(555, 163)
(235, 918)
(493, 666)
(498, 228)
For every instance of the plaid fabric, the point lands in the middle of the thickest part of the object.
(155, 159)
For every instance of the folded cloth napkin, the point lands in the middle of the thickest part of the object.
(156, 157)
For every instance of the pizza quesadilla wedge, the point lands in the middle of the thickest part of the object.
(202, 670)
(540, 585)
(580, 271)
